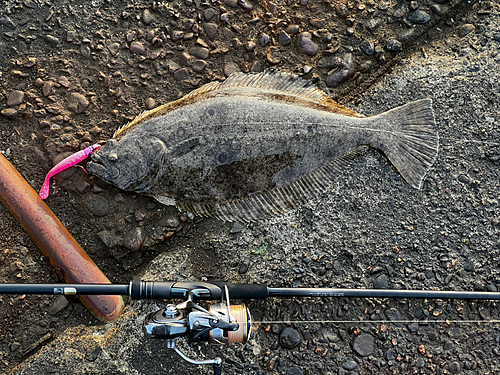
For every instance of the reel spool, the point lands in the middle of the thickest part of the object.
(241, 314)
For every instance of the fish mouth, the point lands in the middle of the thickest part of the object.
(98, 167)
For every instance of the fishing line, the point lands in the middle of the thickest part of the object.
(422, 322)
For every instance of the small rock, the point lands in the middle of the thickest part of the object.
(185, 59)
(389, 355)
(137, 48)
(289, 338)
(497, 37)
(350, 365)
(14, 346)
(16, 97)
(465, 30)
(52, 40)
(230, 68)
(307, 69)
(363, 345)
(134, 239)
(97, 205)
(413, 327)
(342, 10)
(85, 50)
(394, 45)
(181, 74)
(150, 103)
(463, 179)
(373, 24)
(92, 354)
(43, 124)
(292, 29)
(63, 81)
(77, 102)
(455, 368)
(284, 39)
(38, 82)
(47, 88)
(70, 36)
(244, 266)
(367, 47)
(199, 52)
(365, 66)
(342, 74)
(208, 14)
(108, 239)
(418, 16)
(199, 65)
(147, 16)
(264, 40)
(9, 112)
(469, 266)
(210, 29)
(114, 48)
(59, 304)
(251, 46)
(294, 371)
(82, 186)
(381, 282)
(245, 5)
(306, 45)
(439, 10)
(394, 316)
(7, 22)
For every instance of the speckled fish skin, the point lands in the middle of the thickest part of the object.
(252, 148)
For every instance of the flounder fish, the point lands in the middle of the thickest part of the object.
(258, 145)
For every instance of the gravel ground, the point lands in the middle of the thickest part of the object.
(74, 72)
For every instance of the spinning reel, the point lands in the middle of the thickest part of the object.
(221, 324)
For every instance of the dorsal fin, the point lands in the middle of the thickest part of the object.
(272, 84)
(274, 202)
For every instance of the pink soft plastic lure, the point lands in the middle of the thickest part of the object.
(65, 164)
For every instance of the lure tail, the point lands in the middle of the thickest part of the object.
(413, 142)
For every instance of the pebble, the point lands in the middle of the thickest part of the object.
(77, 102)
(92, 354)
(350, 365)
(367, 47)
(292, 29)
(245, 5)
(43, 124)
(134, 239)
(413, 327)
(150, 103)
(85, 50)
(244, 266)
(181, 74)
(97, 205)
(418, 16)
(137, 48)
(7, 22)
(59, 304)
(389, 355)
(82, 186)
(251, 46)
(284, 39)
(307, 69)
(306, 45)
(47, 88)
(465, 30)
(9, 112)
(70, 36)
(114, 48)
(199, 65)
(208, 14)
(147, 16)
(199, 52)
(210, 29)
(469, 266)
(38, 82)
(294, 371)
(14, 346)
(289, 338)
(16, 97)
(381, 282)
(264, 40)
(363, 345)
(394, 45)
(497, 37)
(365, 67)
(373, 24)
(439, 9)
(455, 368)
(52, 40)
(393, 315)
(342, 74)
(230, 68)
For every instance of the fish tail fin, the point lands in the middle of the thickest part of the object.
(414, 144)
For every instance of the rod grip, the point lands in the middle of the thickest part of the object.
(244, 291)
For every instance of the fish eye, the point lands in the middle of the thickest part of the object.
(112, 157)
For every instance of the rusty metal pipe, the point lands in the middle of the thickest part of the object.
(54, 240)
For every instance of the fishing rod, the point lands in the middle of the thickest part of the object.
(222, 323)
